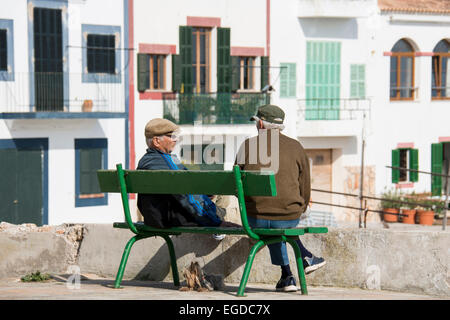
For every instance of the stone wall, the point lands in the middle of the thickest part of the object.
(27, 248)
(415, 259)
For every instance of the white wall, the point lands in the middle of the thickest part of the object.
(421, 121)
(61, 133)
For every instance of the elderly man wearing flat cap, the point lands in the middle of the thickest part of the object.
(293, 183)
(169, 210)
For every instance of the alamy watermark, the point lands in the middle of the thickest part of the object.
(373, 277)
(74, 281)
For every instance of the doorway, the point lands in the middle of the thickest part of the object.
(321, 173)
(23, 170)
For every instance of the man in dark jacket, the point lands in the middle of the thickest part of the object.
(170, 210)
(287, 158)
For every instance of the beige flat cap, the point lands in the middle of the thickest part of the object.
(159, 127)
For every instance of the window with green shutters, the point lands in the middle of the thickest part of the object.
(323, 76)
(357, 81)
(90, 156)
(288, 80)
(407, 158)
(151, 72)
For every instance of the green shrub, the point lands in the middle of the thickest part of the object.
(35, 277)
(390, 198)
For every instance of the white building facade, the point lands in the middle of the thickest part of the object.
(77, 88)
(63, 108)
(365, 70)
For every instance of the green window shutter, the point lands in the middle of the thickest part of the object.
(395, 163)
(264, 71)
(284, 76)
(186, 59)
(176, 72)
(236, 74)
(357, 81)
(436, 167)
(292, 80)
(414, 165)
(288, 80)
(225, 68)
(353, 81)
(143, 71)
(362, 81)
(323, 72)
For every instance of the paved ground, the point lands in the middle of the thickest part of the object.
(92, 287)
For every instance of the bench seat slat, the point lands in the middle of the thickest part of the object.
(224, 230)
(188, 182)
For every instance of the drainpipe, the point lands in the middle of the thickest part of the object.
(131, 83)
(268, 34)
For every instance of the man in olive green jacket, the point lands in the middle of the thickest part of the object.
(273, 151)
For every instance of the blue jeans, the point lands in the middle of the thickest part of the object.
(278, 251)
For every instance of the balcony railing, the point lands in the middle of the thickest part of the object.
(334, 109)
(212, 108)
(59, 92)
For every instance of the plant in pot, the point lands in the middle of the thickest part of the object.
(390, 204)
(439, 209)
(425, 213)
(409, 208)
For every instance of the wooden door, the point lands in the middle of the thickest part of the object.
(21, 190)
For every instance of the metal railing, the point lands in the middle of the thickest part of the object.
(333, 108)
(212, 108)
(424, 203)
(60, 92)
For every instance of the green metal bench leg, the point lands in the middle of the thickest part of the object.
(123, 262)
(299, 259)
(248, 267)
(173, 260)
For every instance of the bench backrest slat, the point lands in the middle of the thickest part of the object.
(188, 182)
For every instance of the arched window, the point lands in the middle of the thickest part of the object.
(440, 78)
(402, 71)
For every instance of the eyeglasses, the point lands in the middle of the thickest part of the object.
(174, 137)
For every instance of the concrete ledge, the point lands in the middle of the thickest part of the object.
(407, 260)
(27, 248)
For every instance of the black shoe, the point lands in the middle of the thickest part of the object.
(313, 263)
(286, 284)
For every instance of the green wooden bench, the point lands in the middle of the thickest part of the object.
(236, 182)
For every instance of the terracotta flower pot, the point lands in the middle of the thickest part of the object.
(388, 217)
(87, 106)
(426, 217)
(408, 216)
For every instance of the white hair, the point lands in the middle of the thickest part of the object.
(268, 125)
(150, 141)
